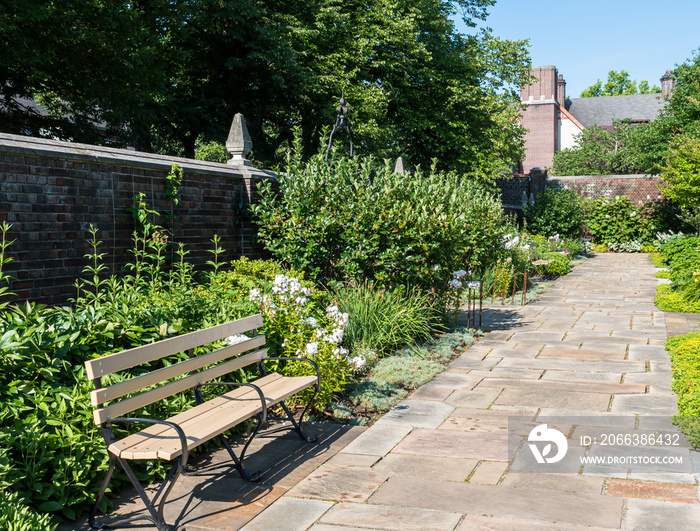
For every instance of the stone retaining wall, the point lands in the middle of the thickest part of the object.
(51, 192)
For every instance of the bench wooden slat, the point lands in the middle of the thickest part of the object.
(208, 420)
(166, 347)
(100, 396)
(155, 430)
(149, 397)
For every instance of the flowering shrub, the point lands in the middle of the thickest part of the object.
(294, 329)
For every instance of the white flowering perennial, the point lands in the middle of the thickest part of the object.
(358, 363)
(311, 336)
(459, 274)
(510, 241)
(339, 317)
(238, 338)
(311, 349)
(454, 283)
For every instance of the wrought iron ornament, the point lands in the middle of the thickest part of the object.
(341, 124)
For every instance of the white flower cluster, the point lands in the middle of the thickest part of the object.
(238, 338)
(289, 288)
(474, 284)
(339, 317)
(511, 241)
(358, 362)
(456, 276)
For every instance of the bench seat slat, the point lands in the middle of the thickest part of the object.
(205, 421)
(154, 430)
(100, 396)
(149, 397)
(166, 347)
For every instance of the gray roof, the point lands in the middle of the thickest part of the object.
(604, 109)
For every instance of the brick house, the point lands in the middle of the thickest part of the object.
(552, 120)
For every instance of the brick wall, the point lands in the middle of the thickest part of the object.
(52, 191)
(639, 188)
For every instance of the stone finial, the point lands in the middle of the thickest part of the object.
(532, 198)
(238, 142)
(523, 198)
(399, 166)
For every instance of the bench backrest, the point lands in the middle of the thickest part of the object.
(199, 369)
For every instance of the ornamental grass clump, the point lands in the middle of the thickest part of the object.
(383, 319)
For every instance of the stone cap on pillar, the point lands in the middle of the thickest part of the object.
(238, 143)
(399, 166)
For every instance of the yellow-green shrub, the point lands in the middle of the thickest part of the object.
(668, 300)
(685, 369)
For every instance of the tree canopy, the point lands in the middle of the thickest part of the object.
(165, 74)
(618, 84)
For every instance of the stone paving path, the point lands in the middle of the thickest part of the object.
(592, 346)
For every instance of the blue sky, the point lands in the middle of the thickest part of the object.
(585, 40)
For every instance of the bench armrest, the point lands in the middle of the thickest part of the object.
(178, 430)
(313, 364)
(237, 384)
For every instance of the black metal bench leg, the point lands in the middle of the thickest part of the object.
(297, 425)
(103, 489)
(238, 460)
(156, 514)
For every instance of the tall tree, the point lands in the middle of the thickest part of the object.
(618, 84)
(165, 73)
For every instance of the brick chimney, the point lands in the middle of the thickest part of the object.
(543, 90)
(561, 90)
(667, 83)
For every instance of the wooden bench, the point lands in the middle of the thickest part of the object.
(171, 439)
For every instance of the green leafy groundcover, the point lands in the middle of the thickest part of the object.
(685, 370)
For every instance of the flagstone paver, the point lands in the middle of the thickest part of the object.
(526, 504)
(289, 514)
(340, 483)
(391, 517)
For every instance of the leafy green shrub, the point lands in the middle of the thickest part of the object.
(613, 220)
(212, 151)
(682, 256)
(619, 221)
(556, 211)
(682, 170)
(385, 320)
(16, 516)
(355, 219)
(560, 264)
(245, 274)
(685, 368)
